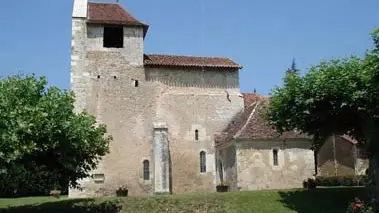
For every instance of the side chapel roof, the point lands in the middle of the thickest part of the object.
(251, 124)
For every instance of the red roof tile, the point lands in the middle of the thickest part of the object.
(188, 61)
(111, 13)
(251, 124)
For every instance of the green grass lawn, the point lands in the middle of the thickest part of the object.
(325, 200)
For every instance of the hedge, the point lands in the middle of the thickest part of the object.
(330, 181)
(99, 205)
(360, 180)
(106, 206)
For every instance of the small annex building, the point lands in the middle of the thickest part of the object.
(251, 155)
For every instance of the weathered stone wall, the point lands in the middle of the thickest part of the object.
(186, 99)
(133, 43)
(79, 75)
(162, 159)
(256, 170)
(190, 100)
(107, 90)
(342, 162)
(226, 166)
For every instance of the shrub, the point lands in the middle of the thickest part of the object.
(122, 191)
(357, 206)
(310, 183)
(55, 193)
(341, 180)
(108, 206)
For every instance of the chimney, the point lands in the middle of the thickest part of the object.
(80, 9)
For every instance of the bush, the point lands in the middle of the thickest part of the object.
(341, 180)
(122, 191)
(310, 184)
(108, 206)
(357, 206)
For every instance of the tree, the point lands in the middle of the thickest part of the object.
(339, 96)
(42, 141)
(293, 67)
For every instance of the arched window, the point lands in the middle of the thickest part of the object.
(203, 167)
(146, 170)
(196, 134)
(275, 156)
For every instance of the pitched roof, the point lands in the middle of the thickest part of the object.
(153, 60)
(111, 13)
(251, 124)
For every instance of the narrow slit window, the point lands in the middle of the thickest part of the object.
(146, 170)
(197, 135)
(135, 83)
(113, 37)
(203, 167)
(275, 157)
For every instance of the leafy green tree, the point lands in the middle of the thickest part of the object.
(43, 142)
(339, 96)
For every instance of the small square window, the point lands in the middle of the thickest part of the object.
(99, 178)
(113, 37)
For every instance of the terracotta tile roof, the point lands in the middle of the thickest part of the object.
(250, 98)
(153, 60)
(251, 124)
(111, 13)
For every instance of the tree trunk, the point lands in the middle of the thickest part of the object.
(334, 155)
(373, 176)
(370, 131)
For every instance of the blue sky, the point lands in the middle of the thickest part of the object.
(263, 36)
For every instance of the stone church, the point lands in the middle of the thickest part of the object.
(179, 123)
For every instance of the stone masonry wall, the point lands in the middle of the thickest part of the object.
(103, 80)
(257, 171)
(79, 75)
(109, 93)
(190, 100)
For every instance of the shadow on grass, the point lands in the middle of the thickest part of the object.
(68, 206)
(325, 200)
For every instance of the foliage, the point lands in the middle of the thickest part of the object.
(122, 191)
(293, 67)
(106, 206)
(332, 200)
(357, 206)
(309, 183)
(43, 142)
(338, 96)
(359, 180)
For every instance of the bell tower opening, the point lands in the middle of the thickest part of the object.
(113, 37)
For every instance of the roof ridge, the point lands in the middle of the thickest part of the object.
(104, 2)
(193, 56)
(247, 120)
